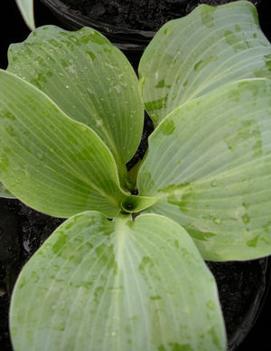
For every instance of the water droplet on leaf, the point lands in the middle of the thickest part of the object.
(217, 220)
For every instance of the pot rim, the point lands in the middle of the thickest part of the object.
(256, 308)
(129, 39)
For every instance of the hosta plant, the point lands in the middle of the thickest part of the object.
(126, 271)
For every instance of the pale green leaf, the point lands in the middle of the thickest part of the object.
(89, 79)
(209, 162)
(27, 10)
(117, 285)
(191, 56)
(47, 160)
(5, 193)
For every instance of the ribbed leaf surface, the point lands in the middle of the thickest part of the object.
(121, 285)
(191, 56)
(89, 79)
(52, 163)
(209, 163)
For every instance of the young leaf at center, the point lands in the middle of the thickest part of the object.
(117, 285)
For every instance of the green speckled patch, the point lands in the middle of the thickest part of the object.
(199, 235)
(253, 242)
(207, 15)
(59, 243)
(167, 127)
(267, 59)
(162, 84)
(156, 104)
(233, 40)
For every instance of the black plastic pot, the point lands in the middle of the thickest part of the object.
(243, 287)
(130, 40)
(127, 38)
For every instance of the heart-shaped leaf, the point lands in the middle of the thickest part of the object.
(209, 162)
(89, 79)
(117, 285)
(27, 10)
(191, 56)
(52, 163)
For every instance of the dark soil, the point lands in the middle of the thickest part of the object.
(22, 231)
(138, 14)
